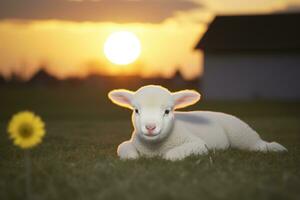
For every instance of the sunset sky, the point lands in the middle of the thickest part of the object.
(67, 36)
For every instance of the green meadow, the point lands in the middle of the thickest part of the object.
(77, 158)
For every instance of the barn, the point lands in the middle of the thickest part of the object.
(252, 56)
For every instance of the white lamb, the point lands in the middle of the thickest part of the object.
(159, 131)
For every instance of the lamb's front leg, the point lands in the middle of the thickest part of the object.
(190, 148)
(126, 150)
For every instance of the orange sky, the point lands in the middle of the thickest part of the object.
(75, 47)
(68, 47)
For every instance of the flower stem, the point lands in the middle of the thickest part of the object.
(28, 174)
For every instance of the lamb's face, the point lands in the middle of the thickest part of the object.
(153, 113)
(153, 109)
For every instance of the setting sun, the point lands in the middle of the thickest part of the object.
(122, 47)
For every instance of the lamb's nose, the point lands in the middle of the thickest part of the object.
(150, 127)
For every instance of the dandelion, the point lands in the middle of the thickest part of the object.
(26, 129)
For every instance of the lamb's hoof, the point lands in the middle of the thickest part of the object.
(129, 156)
(174, 155)
(180, 154)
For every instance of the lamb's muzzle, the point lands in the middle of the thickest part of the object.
(150, 127)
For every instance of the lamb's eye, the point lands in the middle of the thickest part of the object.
(167, 112)
(136, 111)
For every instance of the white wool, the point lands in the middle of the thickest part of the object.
(176, 135)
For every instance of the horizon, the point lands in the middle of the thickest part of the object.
(18, 77)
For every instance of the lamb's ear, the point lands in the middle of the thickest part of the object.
(185, 98)
(121, 97)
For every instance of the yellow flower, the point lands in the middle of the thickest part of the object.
(26, 129)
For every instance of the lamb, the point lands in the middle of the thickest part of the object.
(160, 131)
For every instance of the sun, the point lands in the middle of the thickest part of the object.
(122, 47)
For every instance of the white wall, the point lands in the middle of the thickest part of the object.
(250, 75)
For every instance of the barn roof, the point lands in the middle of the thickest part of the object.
(252, 32)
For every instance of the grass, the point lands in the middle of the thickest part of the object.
(77, 159)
